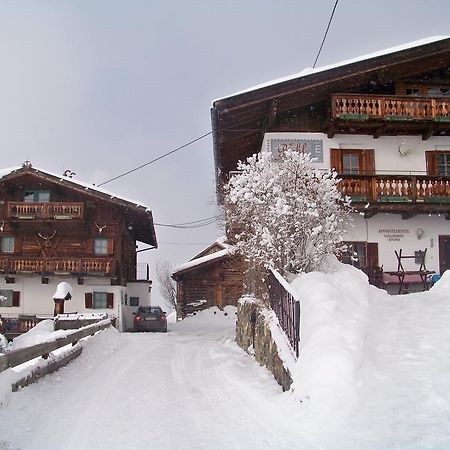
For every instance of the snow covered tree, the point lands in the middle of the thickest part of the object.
(167, 285)
(285, 213)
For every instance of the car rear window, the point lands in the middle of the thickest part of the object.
(150, 310)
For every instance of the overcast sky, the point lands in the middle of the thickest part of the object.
(101, 87)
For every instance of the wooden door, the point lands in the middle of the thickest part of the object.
(444, 253)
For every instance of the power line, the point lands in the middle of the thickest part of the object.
(325, 35)
(188, 225)
(154, 160)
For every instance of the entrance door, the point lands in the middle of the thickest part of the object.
(444, 253)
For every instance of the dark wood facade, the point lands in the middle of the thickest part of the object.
(52, 225)
(209, 281)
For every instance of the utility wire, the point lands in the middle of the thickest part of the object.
(154, 160)
(325, 35)
(195, 224)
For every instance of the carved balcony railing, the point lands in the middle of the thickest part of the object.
(96, 266)
(396, 188)
(390, 107)
(46, 211)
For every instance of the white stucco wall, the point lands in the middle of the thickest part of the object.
(37, 298)
(393, 154)
(139, 289)
(393, 233)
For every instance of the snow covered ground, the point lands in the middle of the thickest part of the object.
(375, 375)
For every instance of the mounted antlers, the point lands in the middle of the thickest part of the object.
(100, 228)
(47, 238)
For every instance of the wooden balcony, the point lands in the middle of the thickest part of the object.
(406, 194)
(45, 211)
(390, 107)
(78, 266)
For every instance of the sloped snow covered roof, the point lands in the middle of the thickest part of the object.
(86, 186)
(207, 259)
(310, 71)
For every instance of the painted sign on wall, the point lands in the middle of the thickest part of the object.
(312, 146)
(393, 234)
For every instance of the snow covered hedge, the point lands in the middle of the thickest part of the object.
(283, 212)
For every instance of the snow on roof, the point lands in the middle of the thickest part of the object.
(204, 259)
(220, 242)
(310, 71)
(63, 291)
(86, 186)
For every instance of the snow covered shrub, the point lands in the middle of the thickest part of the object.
(283, 212)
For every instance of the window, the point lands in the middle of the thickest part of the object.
(413, 92)
(438, 163)
(352, 161)
(355, 255)
(100, 300)
(100, 246)
(7, 244)
(9, 298)
(443, 164)
(134, 301)
(36, 196)
(439, 91)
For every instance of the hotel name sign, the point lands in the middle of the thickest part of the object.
(312, 146)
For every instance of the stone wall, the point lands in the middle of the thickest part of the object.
(255, 337)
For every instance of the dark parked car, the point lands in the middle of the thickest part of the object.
(150, 318)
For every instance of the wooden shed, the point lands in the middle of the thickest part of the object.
(214, 277)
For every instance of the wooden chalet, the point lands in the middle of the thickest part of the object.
(383, 122)
(53, 229)
(214, 277)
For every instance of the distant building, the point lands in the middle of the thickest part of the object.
(214, 277)
(54, 229)
(383, 122)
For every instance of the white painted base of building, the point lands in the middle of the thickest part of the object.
(36, 298)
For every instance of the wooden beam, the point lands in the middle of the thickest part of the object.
(408, 214)
(428, 132)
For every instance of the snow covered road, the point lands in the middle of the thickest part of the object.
(191, 388)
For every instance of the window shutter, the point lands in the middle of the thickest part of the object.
(372, 254)
(335, 159)
(16, 298)
(88, 300)
(16, 244)
(110, 300)
(110, 244)
(430, 157)
(368, 162)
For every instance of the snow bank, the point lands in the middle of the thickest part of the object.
(42, 332)
(334, 316)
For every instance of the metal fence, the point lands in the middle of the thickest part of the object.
(286, 307)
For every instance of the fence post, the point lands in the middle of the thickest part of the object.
(297, 327)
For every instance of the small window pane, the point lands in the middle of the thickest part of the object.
(7, 244)
(28, 196)
(134, 301)
(350, 164)
(355, 255)
(100, 300)
(100, 246)
(443, 164)
(43, 196)
(6, 297)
